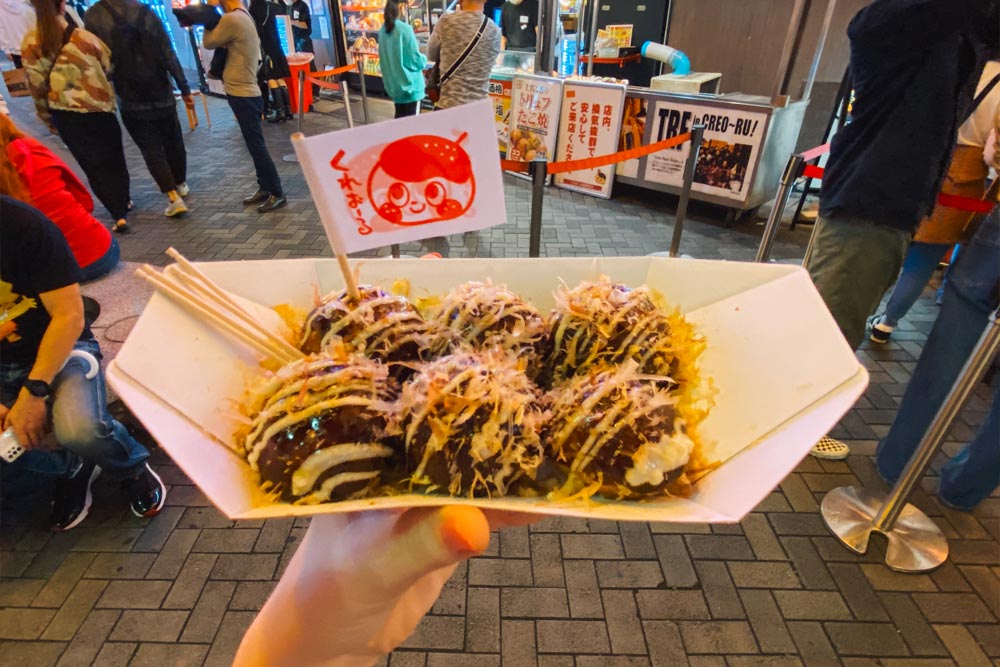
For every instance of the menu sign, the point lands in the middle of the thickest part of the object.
(534, 117)
(589, 127)
(500, 90)
(733, 138)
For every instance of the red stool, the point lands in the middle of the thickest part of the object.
(299, 62)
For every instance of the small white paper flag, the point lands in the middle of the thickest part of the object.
(409, 179)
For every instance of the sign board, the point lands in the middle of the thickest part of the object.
(632, 133)
(500, 89)
(733, 140)
(534, 117)
(409, 179)
(589, 126)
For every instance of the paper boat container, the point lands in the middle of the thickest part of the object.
(783, 372)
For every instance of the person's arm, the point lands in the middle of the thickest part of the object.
(434, 45)
(157, 32)
(413, 60)
(28, 414)
(222, 35)
(899, 29)
(36, 72)
(306, 19)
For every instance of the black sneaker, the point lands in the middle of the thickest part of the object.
(880, 331)
(146, 492)
(71, 498)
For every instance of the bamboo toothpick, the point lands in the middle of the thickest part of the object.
(349, 279)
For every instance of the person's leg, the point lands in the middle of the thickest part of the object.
(971, 477)
(82, 424)
(103, 266)
(970, 297)
(852, 263)
(16, 59)
(247, 112)
(918, 267)
(406, 109)
(173, 145)
(146, 134)
(81, 132)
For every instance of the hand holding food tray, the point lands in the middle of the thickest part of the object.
(781, 372)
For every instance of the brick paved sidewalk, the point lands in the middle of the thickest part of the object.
(775, 590)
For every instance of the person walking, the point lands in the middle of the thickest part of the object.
(238, 34)
(464, 80)
(401, 61)
(31, 173)
(67, 70)
(144, 62)
(946, 226)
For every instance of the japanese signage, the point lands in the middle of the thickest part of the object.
(534, 117)
(632, 134)
(500, 88)
(589, 126)
(728, 155)
(416, 177)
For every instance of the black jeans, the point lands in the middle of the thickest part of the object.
(95, 140)
(406, 109)
(161, 142)
(247, 111)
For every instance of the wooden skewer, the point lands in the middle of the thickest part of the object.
(221, 320)
(349, 279)
(198, 281)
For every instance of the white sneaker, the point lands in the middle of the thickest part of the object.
(175, 208)
(183, 190)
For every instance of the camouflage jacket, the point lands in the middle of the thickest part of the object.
(77, 81)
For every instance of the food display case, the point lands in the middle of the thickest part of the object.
(360, 21)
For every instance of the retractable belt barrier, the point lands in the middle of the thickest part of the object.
(601, 161)
(316, 78)
(798, 167)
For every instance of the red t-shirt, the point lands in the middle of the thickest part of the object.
(58, 193)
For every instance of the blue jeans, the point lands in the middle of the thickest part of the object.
(103, 265)
(971, 295)
(80, 421)
(247, 111)
(918, 267)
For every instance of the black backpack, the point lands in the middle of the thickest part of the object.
(139, 70)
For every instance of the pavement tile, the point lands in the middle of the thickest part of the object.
(24, 622)
(867, 639)
(629, 574)
(134, 594)
(675, 562)
(499, 572)
(519, 648)
(721, 547)
(572, 636)
(438, 632)
(116, 654)
(813, 645)
(767, 622)
(962, 646)
(227, 540)
(986, 585)
(187, 586)
(592, 547)
(206, 616)
(408, 659)
(171, 557)
(913, 626)
(723, 600)
(451, 601)
(546, 560)
(622, 618)
(120, 566)
(31, 654)
(251, 595)
(534, 603)
(884, 579)
(637, 540)
(860, 597)
(244, 567)
(227, 639)
(812, 605)
(149, 626)
(725, 637)
(809, 566)
(672, 605)
(175, 655)
(74, 610)
(763, 575)
(762, 539)
(19, 592)
(63, 581)
(482, 620)
(582, 589)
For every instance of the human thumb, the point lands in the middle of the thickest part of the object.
(425, 540)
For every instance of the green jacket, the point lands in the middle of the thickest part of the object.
(402, 64)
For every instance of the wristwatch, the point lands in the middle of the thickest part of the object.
(38, 388)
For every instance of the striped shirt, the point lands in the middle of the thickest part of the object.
(451, 36)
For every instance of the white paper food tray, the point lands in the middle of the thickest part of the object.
(784, 374)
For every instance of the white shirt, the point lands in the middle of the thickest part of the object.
(17, 17)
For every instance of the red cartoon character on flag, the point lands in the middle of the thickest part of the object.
(422, 179)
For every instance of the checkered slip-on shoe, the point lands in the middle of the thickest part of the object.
(828, 448)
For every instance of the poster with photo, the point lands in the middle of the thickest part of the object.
(733, 138)
(633, 132)
(589, 127)
(534, 117)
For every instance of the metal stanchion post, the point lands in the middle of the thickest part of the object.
(347, 103)
(916, 544)
(793, 169)
(364, 87)
(302, 97)
(395, 250)
(682, 206)
(539, 172)
(809, 246)
(292, 157)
